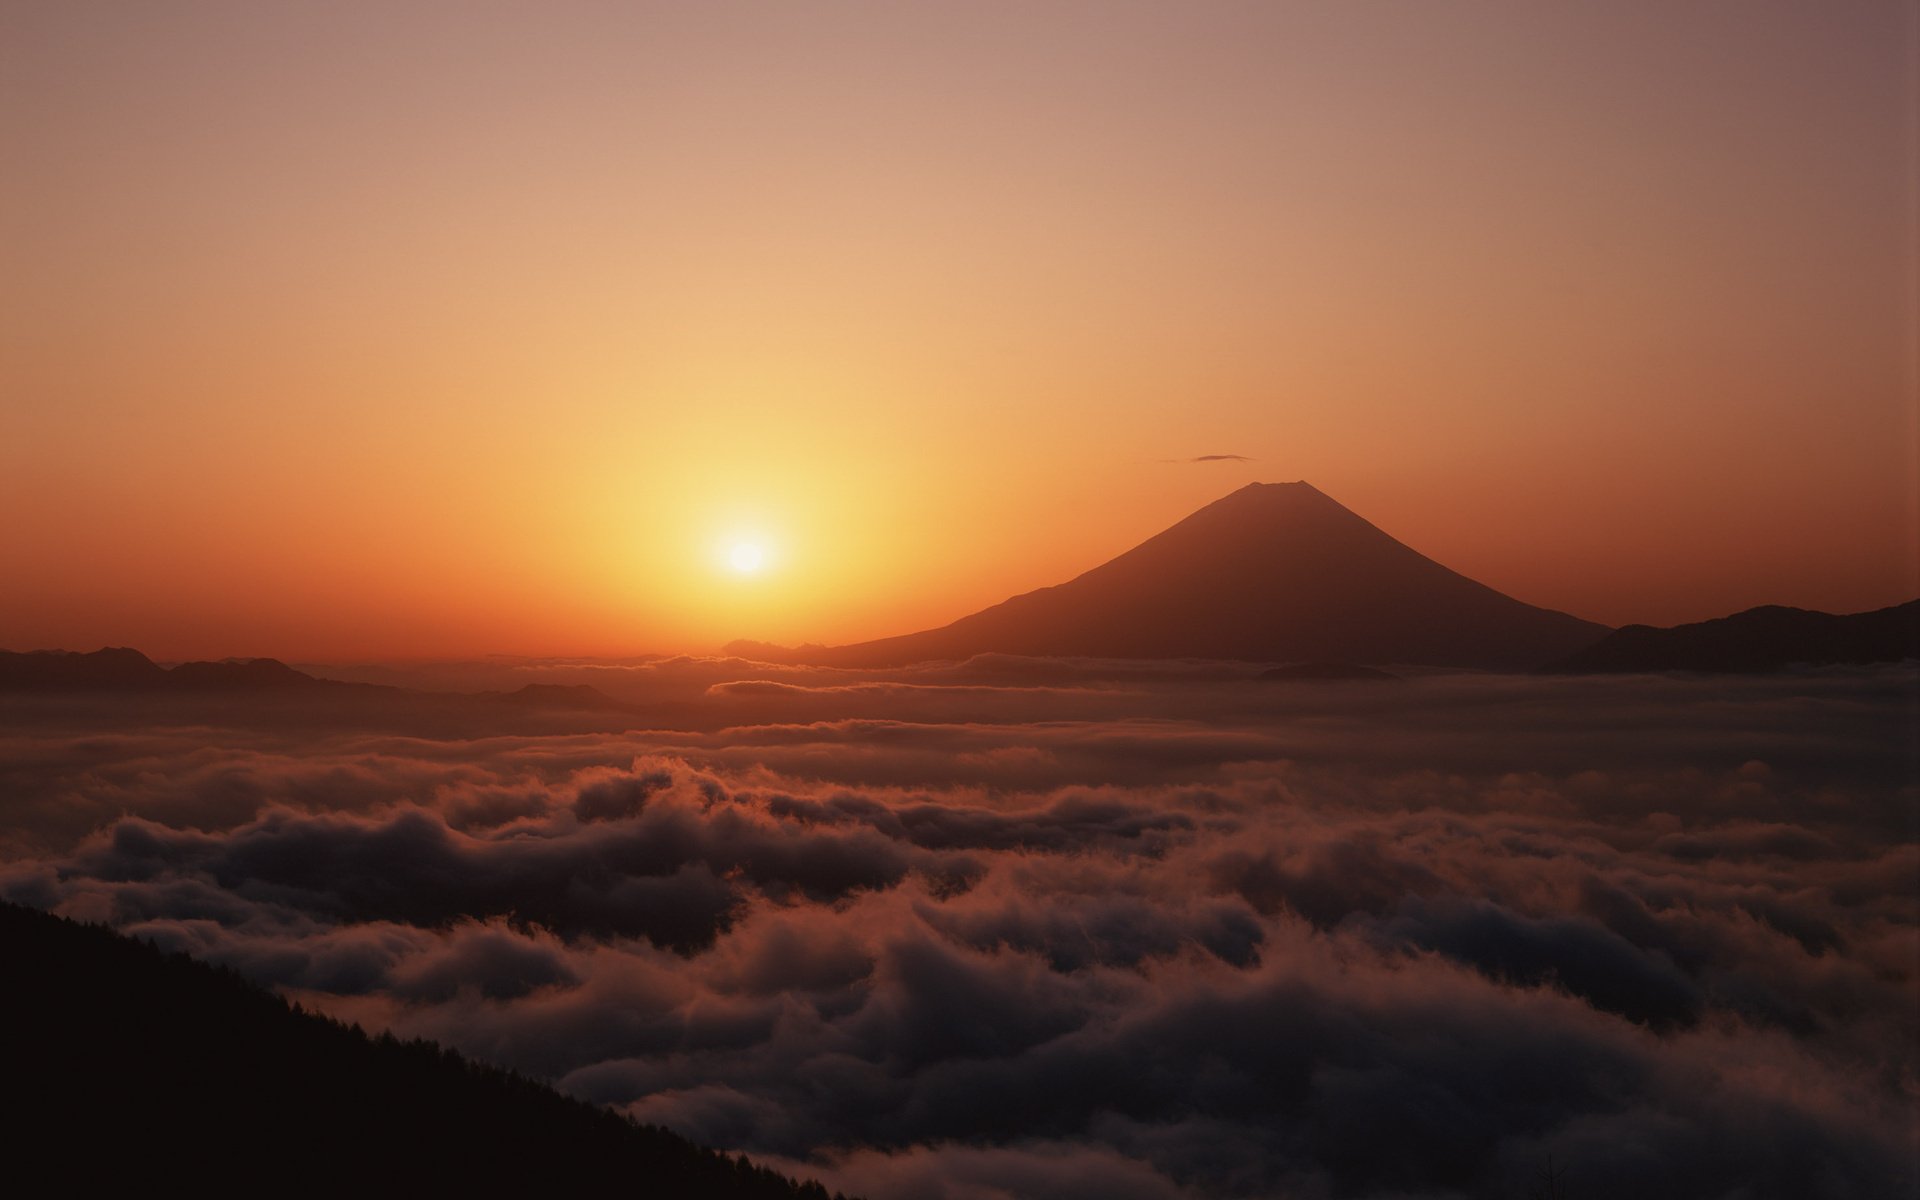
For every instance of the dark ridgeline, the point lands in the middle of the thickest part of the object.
(133, 1071)
(119, 669)
(1768, 638)
(115, 668)
(1275, 572)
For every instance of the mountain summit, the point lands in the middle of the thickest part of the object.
(1275, 572)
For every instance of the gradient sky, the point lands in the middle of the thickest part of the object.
(356, 330)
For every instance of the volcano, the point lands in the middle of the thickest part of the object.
(1275, 572)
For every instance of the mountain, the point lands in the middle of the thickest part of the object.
(1275, 572)
(1759, 639)
(60, 670)
(141, 1072)
(241, 674)
(121, 669)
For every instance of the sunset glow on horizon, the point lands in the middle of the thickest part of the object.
(351, 332)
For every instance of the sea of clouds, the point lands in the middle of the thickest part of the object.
(1073, 930)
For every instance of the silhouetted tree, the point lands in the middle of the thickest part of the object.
(1550, 1184)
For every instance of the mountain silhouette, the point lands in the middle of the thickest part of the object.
(1759, 639)
(272, 690)
(170, 1075)
(1275, 572)
(115, 667)
(241, 674)
(121, 669)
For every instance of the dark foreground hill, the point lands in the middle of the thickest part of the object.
(137, 1072)
(1275, 572)
(1759, 639)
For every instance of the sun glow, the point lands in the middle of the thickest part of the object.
(747, 557)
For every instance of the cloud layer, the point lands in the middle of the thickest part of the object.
(1047, 931)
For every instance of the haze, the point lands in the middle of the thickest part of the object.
(372, 331)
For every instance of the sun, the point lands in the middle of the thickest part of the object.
(747, 557)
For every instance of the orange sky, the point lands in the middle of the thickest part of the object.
(346, 331)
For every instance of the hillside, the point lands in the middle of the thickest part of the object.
(1759, 639)
(175, 1074)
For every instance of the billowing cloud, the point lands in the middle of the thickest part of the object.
(1049, 932)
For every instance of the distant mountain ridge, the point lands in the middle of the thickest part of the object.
(119, 668)
(1275, 572)
(1767, 638)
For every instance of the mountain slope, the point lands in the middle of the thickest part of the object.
(1759, 639)
(1273, 572)
(169, 1071)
